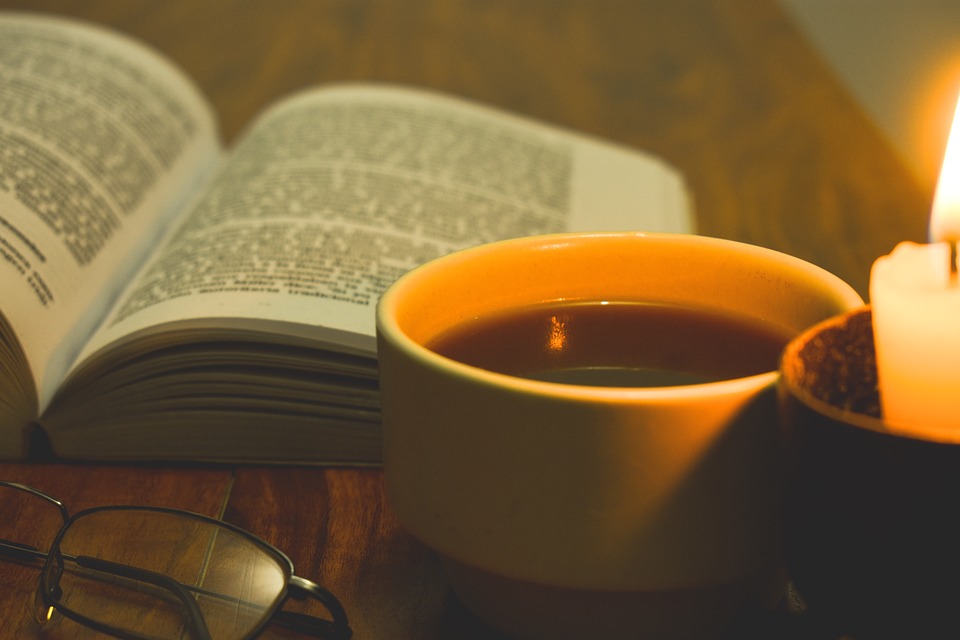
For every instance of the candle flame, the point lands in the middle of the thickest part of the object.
(945, 216)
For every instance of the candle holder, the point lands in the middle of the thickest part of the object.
(872, 518)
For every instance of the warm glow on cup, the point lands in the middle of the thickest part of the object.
(569, 511)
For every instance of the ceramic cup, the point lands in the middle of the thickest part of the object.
(574, 511)
(872, 532)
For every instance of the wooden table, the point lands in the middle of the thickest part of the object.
(776, 153)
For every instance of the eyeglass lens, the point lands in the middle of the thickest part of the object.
(164, 575)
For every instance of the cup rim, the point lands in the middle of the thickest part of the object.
(388, 326)
(792, 351)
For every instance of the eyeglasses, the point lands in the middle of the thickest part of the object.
(151, 573)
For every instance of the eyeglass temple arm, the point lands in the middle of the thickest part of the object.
(64, 515)
(19, 551)
(337, 629)
(197, 624)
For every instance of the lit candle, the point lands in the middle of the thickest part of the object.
(915, 301)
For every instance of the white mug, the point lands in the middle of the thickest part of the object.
(575, 511)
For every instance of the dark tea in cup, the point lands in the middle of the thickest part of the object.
(616, 344)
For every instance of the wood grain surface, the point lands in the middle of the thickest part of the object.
(775, 151)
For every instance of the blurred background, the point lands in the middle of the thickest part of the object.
(901, 59)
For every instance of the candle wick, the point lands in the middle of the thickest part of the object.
(953, 262)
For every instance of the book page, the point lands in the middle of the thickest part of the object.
(335, 193)
(100, 141)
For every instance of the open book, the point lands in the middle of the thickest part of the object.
(161, 298)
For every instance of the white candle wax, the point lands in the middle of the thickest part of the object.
(916, 318)
(916, 323)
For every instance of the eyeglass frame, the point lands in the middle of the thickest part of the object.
(336, 629)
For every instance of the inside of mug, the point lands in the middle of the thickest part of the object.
(682, 270)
